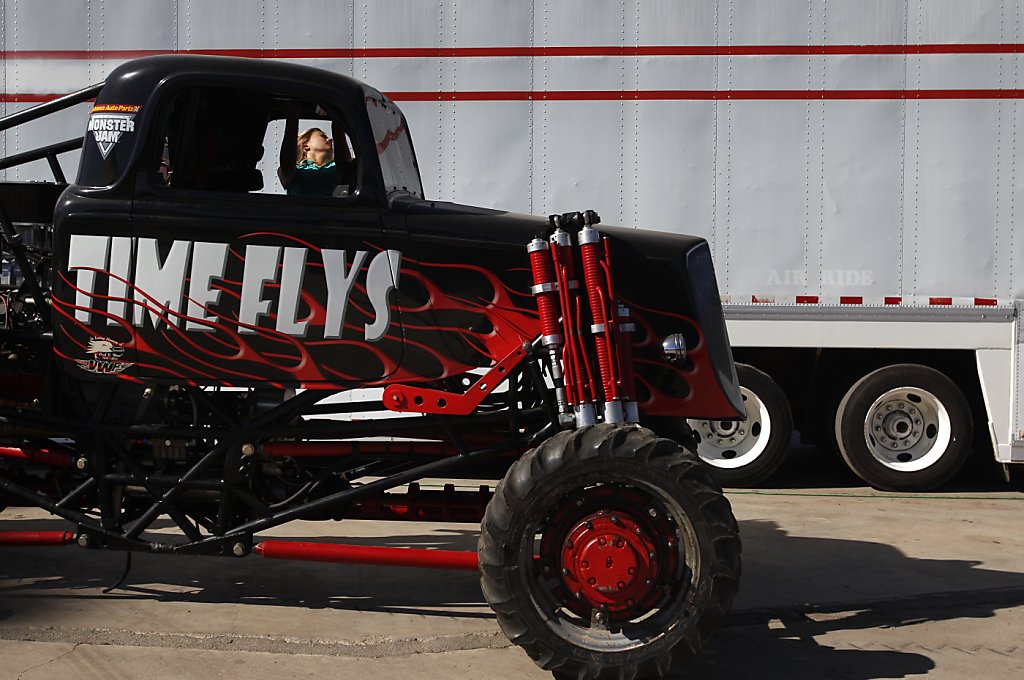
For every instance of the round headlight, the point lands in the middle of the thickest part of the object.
(673, 347)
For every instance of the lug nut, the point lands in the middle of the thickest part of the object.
(81, 463)
(238, 550)
(248, 449)
(83, 540)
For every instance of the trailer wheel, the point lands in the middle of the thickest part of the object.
(748, 452)
(609, 552)
(904, 428)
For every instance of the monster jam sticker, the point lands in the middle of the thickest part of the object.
(106, 357)
(109, 122)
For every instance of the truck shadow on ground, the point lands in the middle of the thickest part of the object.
(828, 587)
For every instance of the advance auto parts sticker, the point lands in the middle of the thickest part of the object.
(108, 122)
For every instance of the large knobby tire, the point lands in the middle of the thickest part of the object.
(609, 552)
(904, 428)
(747, 452)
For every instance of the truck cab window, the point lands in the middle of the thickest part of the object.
(240, 141)
(315, 155)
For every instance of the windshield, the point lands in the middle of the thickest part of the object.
(394, 146)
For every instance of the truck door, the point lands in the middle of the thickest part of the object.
(239, 281)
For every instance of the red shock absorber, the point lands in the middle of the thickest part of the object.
(578, 376)
(604, 317)
(546, 292)
(545, 289)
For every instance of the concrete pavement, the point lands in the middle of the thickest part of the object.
(839, 582)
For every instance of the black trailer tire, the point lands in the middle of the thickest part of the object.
(747, 453)
(904, 427)
(663, 539)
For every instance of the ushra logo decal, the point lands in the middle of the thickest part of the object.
(105, 357)
(109, 122)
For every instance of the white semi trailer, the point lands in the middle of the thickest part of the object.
(852, 162)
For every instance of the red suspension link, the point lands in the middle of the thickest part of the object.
(624, 328)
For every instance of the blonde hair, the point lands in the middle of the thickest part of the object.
(300, 152)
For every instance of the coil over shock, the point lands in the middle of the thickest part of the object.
(587, 368)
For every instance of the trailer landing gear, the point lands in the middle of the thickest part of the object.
(609, 552)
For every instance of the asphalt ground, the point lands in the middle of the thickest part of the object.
(839, 581)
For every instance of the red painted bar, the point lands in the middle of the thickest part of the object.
(645, 95)
(536, 51)
(317, 449)
(55, 538)
(44, 456)
(367, 554)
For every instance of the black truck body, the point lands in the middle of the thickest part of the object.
(182, 340)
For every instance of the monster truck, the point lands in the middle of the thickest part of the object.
(182, 339)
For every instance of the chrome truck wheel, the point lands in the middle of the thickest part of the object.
(904, 428)
(748, 452)
(608, 552)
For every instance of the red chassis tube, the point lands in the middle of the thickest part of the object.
(39, 538)
(298, 550)
(364, 554)
(37, 455)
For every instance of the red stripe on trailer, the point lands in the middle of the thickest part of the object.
(639, 95)
(894, 300)
(762, 299)
(851, 300)
(699, 95)
(985, 302)
(807, 299)
(55, 538)
(29, 97)
(535, 51)
(367, 554)
(942, 301)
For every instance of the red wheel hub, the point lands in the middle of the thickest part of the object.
(610, 561)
